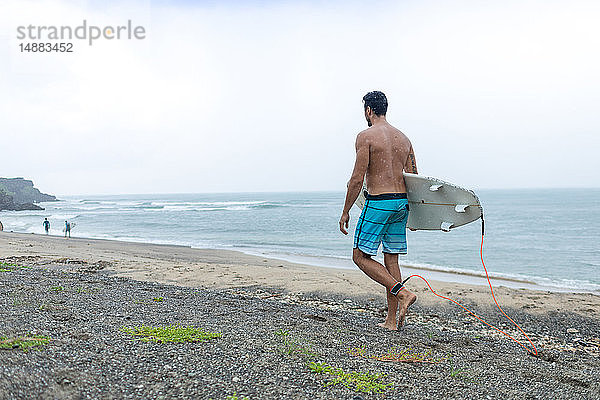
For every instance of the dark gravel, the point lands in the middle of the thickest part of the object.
(89, 357)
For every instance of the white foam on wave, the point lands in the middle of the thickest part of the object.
(207, 203)
(222, 206)
(180, 206)
(98, 208)
(63, 217)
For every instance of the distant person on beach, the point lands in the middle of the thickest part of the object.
(46, 225)
(1, 227)
(67, 228)
(382, 153)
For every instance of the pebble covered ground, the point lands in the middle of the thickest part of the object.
(268, 340)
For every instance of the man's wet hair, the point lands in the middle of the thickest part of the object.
(377, 101)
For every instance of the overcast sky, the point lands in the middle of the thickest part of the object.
(266, 95)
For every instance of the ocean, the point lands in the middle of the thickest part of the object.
(547, 237)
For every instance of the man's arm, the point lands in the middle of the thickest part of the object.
(356, 180)
(411, 162)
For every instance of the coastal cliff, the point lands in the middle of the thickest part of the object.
(17, 194)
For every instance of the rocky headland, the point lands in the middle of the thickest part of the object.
(17, 194)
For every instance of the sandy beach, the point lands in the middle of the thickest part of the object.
(223, 269)
(308, 302)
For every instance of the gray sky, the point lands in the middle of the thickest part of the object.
(243, 96)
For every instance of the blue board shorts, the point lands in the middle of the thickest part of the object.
(382, 221)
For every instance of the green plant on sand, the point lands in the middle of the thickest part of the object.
(460, 373)
(8, 267)
(407, 355)
(23, 342)
(235, 397)
(290, 346)
(357, 381)
(171, 333)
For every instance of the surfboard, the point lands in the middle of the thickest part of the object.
(72, 226)
(435, 204)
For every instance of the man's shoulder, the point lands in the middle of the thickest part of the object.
(393, 128)
(369, 132)
(363, 136)
(402, 134)
(364, 132)
(375, 131)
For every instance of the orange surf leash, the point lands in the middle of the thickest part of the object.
(520, 343)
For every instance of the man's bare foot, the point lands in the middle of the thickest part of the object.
(404, 301)
(389, 325)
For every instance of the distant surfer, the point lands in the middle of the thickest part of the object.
(46, 225)
(67, 228)
(382, 153)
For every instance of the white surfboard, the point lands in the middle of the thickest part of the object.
(72, 226)
(435, 204)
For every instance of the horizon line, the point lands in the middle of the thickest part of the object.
(308, 191)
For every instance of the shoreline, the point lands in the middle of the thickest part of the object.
(450, 275)
(229, 269)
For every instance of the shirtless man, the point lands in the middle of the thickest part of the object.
(382, 153)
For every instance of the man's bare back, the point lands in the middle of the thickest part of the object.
(390, 153)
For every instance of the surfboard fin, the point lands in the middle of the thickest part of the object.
(461, 208)
(446, 226)
(435, 188)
